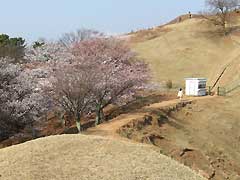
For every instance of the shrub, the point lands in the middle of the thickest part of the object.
(169, 84)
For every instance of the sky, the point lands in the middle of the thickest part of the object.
(49, 19)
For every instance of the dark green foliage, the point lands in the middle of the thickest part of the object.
(4, 39)
(12, 47)
(37, 44)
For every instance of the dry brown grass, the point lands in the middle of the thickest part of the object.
(191, 48)
(79, 157)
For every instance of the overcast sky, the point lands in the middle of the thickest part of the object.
(33, 19)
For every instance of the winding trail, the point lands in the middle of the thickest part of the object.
(109, 129)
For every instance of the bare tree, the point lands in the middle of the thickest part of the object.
(71, 38)
(220, 13)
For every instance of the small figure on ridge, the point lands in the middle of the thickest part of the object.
(190, 15)
(180, 94)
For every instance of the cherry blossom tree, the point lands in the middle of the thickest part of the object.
(117, 71)
(68, 84)
(91, 75)
(48, 53)
(72, 89)
(21, 97)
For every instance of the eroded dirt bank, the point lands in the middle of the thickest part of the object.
(203, 135)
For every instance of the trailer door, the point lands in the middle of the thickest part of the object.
(192, 89)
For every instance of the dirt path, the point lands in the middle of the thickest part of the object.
(110, 128)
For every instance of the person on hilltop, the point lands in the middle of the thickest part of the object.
(190, 15)
(180, 94)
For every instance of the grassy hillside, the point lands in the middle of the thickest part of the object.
(188, 49)
(74, 157)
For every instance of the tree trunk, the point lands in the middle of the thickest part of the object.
(224, 29)
(224, 24)
(102, 116)
(60, 116)
(78, 123)
(98, 116)
(62, 119)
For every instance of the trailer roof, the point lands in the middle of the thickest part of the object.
(201, 79)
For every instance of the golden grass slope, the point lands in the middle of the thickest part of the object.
(187, 49)
(79, 157)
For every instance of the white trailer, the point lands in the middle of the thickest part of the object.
(196, 86)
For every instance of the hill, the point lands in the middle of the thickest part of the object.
(74, 157)
(190, 48)
(207, 130)
(199, 132)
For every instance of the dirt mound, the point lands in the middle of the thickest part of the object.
(74, 157)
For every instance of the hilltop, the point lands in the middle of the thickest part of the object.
(190, 48)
